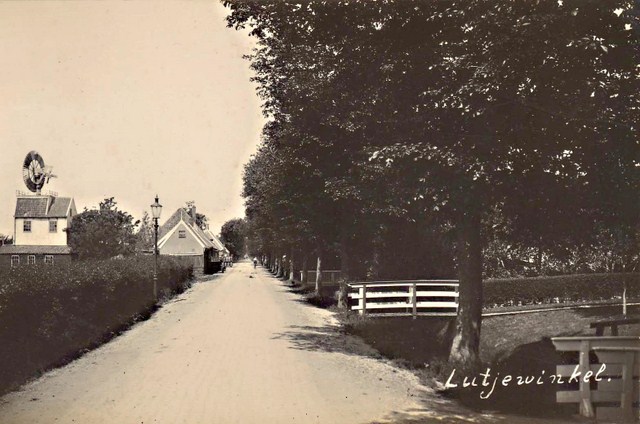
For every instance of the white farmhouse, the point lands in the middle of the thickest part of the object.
(39, 234)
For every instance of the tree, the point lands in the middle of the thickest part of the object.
(233, 233)
(452, 109)
(102, 233)
(201, 219)
(4, 239)
(145, 234)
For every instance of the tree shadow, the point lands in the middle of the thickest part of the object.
(327, 338)
(536, 360)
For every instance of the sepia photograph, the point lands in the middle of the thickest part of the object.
(319, 211)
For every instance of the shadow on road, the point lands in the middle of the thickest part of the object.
(327, 338)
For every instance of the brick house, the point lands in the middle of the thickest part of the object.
(39, 234)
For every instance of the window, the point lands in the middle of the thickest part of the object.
(182, 234)
(15, 260)
(48, 259)
(53, 225)
(26, 226)
(31, 259)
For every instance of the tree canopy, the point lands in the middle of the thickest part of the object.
(476, 119)
(102, 233)
(233, 234)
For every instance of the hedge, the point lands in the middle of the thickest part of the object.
(559, 289)
(50, 314)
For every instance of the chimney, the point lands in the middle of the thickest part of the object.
(193, 214)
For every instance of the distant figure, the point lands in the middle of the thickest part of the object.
(255, 262)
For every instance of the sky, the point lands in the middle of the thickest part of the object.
(127, 100)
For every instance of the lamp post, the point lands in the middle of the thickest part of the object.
(156, 209)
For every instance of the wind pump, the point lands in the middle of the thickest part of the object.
(35, 173)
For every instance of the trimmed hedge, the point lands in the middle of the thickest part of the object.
(559, 289)
(50, 314)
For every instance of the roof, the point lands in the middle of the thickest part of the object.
(12, 249)
(42, 207)
(214, 239)
(179, 216)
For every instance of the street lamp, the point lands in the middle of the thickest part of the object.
(156, 209)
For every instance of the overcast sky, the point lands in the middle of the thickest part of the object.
(127, 99)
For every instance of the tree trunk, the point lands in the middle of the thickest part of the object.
(344, 255)
(539, 257)
(292, 267)
(343, 300)
(318, 272)
(305, 269)
(465, 348)
(373, 273)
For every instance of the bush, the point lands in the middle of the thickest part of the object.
(565, 288)
(48, 314)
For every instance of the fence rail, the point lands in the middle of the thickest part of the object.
(614, 394)
(405, 298)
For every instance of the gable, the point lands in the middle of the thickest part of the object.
(173, 239)
(181, 217)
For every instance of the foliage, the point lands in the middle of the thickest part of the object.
(50, 313)
(5, 239)
(560, 289)
(145, 234)
(233, 234)
(201, 219)
(445, 114)
(102, 233)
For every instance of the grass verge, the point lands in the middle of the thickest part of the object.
(516, 345)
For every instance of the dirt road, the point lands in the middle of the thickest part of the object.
(237, 349)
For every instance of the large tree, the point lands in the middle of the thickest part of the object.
(453, 109)
(102, 233)
(233, 234)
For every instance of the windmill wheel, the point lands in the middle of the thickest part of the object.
(33, 171)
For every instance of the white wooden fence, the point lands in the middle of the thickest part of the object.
(405, 298)
(615, 393)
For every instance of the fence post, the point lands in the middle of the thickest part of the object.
(415, 299)
(624, 298)
(586, 405)
(364, 299)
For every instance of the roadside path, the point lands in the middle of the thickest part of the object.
(239, 348)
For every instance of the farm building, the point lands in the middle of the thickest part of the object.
(181, 236)
(39, 234)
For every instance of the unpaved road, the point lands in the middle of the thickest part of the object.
(239, 348)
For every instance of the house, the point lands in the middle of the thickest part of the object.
(223, 252)
(181, 236)
(39, 234)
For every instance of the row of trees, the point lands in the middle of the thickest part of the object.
(432, 137)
